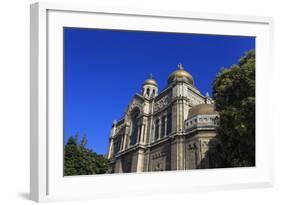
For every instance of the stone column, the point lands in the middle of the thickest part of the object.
(139, 134)
(149, 128)
(125, 138)
(177, 153)
(113, 132)
(152, 133)
(180, 115)
(122, 142)
(174, 154)
(159, 129)
(180, 154)
(165, 129)
(110, 149)
(140, 162)
(142, 133)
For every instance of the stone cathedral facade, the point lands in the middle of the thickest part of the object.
(167, 130)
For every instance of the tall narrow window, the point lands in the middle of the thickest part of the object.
(117, 145)
(169, 123)
(163, 126)
(156, 129)
(148, 91)
(134, 132)
(114, 147)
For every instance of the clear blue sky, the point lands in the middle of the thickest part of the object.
(103, 69)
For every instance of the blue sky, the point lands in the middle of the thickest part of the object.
(103, 69)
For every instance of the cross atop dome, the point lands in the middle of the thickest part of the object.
(180, 66)
(181, 73)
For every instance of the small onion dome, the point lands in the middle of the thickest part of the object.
(150, 81)
(202, 109)
(181, 73)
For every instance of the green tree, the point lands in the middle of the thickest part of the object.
(79, 160)
(234, 95)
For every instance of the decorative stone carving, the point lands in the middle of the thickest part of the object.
(201, 121)
(163, 102)
(159, 155)
(158, 161)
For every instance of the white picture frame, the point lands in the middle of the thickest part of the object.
(46, 177)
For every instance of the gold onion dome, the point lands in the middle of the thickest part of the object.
(202, 109)
(150, 81)
(181, 73)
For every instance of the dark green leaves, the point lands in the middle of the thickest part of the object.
(234, 94)
(79, 160)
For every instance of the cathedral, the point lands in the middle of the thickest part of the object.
(167, 130)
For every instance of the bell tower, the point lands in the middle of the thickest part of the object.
(150, 88)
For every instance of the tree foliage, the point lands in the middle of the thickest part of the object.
(234, 95)
(79, 160)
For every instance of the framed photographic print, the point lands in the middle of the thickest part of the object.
(147, 101)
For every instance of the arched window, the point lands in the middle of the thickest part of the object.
(115, 147)
(134, 132)
(169, 124)
(153, 92)
(156, 129)
(148, 91)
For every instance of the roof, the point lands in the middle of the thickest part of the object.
(202, 109)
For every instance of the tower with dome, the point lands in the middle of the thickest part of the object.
(167, 130)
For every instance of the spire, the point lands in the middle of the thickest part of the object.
(150, 76)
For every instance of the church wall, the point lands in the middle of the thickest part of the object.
(177, 153)
(146, 160)
(195, 98)
(118, 166)
(174, 150)
(196, 147)
(134, 163)
(140, 160)
(160, 157)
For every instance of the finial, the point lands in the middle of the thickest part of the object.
(150, 76)
(180, 66)
(114, 122)
(207, 95)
